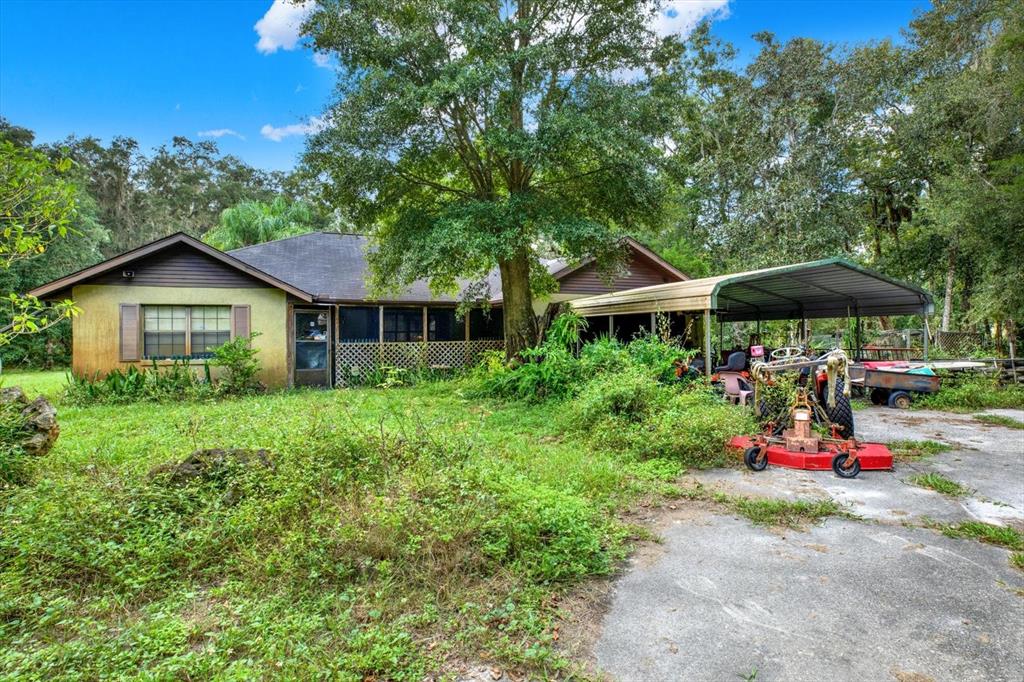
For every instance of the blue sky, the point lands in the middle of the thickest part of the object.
(153, 70)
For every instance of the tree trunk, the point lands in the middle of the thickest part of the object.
(517, 304)
(947, 303)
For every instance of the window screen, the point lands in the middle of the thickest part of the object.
(211, 327)
(443, 326)
(403, 324)
(359, 324)
(164, 328)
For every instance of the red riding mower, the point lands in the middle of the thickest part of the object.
(820, 396)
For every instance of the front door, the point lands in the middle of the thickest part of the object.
(312, 347)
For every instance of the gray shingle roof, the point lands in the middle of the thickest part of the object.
(333, 267)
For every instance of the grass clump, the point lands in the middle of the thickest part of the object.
(766, 511)
(911, 450)
(775, 512)
(940, 484)
(1017, 560)
(1001, 536)
(971, 393)
(999, 420)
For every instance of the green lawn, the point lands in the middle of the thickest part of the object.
(50, 384)
(395, 532)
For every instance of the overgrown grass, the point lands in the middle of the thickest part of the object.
(999, 420)
(911, 450)
(1002, 536)
(769, 511)
(395, 530)
(776, 512)
(1017, 560)
(940, 484)
(970, 394)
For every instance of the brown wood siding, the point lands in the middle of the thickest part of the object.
(640, 273)
(180, 266)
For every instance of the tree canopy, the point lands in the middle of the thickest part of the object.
(470, 136)
(255, 222)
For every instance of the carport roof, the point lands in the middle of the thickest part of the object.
(833, 287)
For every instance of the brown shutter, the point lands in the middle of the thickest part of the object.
(240, 321)
(129, 332)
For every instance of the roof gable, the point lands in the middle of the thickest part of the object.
(177, 260)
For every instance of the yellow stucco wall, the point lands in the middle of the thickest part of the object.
(95, 331)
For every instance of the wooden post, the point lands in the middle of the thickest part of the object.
(707, 343)
(465, 343)
(925, 337)
(654, 324)
(611, 326)
(426, 335)
(380, 336)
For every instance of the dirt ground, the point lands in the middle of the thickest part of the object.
(879, 597)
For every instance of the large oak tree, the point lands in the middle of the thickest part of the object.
(473, 135)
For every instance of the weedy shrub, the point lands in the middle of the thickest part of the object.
(237, 358)
(631, 395)
(691, 427)
(544, 373)
(971, 393)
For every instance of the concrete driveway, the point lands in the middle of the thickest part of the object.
(875, 599)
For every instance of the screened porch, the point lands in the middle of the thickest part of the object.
(411, 337)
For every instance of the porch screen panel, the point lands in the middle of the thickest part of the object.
(403, 324)
(359, 324)
(164, 329)
(443, 325)
(486, 325)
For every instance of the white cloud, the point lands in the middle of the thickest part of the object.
(220, 132)
(322, 59)
(276, 134)
(678, 17)
(279, 27)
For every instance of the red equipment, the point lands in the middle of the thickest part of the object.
(800, 448)
(845, 457)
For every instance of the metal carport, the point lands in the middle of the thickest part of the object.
(833, 287)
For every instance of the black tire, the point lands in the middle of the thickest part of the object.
(899, 400)
(776, 411)
(879, 396)
(837, 466)
(842, 413)
(752, 458)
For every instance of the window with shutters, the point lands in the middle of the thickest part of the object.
(173, 331)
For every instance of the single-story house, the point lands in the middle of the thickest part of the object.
(177, 298)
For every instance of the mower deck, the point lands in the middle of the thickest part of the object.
(872, 456)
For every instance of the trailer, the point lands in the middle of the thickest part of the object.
(894, 383)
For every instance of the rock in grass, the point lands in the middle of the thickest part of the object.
(40, 429)
(211, 464)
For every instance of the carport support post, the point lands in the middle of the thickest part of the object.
(926, 338)
(707, 343)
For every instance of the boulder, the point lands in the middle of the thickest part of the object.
(211, 464)
(40, 428)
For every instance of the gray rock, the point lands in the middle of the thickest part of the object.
(40, 430)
